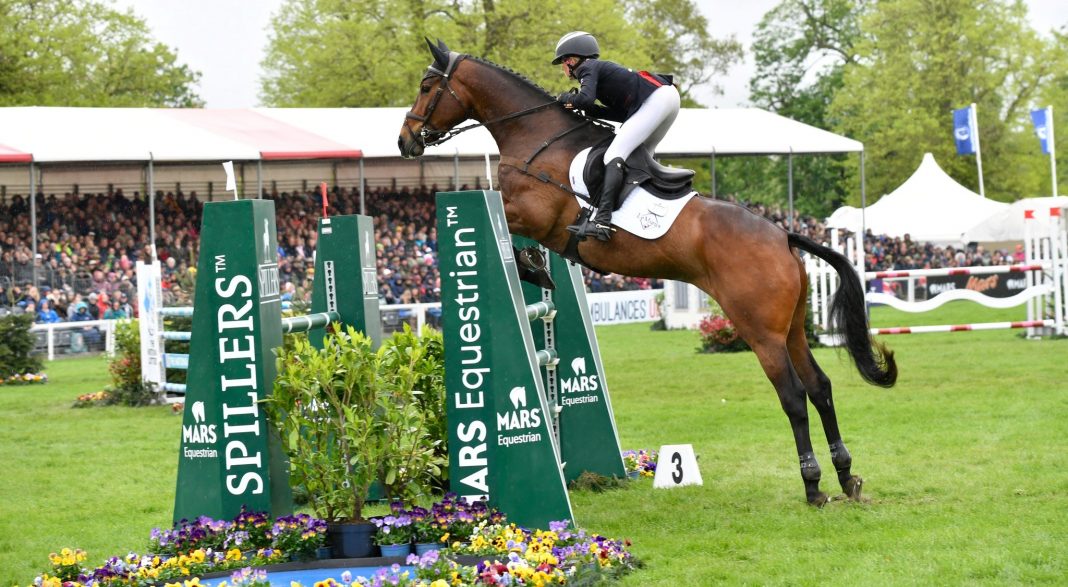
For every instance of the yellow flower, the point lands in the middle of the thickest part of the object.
(437, 583)
(295, 584)
(234, 554)
(194, 582)
(172, 585)
(197, 556)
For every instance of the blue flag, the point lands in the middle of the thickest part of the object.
(1043, 130)
(964, 131)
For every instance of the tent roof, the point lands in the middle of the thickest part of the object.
(138, 134)
(748, 131)
(696, 132)
(132, 134)
(929, 206)
(1008, 224)
(9, 155)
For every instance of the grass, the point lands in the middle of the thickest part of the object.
(964, 461)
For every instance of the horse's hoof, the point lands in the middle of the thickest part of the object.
(852, 488)
(819, 500)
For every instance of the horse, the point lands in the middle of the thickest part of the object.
(750, 266)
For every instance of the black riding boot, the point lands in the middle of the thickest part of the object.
(600, 225)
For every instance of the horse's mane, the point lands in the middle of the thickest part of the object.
(531, 84)
(522, 78)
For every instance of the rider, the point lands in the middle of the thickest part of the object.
(645, 103)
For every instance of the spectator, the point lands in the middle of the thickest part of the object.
(115, 312)
(46, 315)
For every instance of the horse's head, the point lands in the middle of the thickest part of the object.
(439, 106)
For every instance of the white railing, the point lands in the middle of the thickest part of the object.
(54, 334)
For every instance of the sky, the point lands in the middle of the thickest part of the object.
(225, 41)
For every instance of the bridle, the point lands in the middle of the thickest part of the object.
(429, 136)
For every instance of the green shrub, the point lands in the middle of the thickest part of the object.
(349, 416)
(126, 387)
(16, 346)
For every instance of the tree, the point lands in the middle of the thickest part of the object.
(799, 48)
(84, 53)
(362, 53)
(917, 61)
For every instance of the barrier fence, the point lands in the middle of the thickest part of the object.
(1040, 283)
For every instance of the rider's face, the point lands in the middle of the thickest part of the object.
(567, 64)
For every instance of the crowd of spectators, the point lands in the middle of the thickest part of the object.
(88, 246)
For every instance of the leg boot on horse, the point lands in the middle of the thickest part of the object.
(600, 225)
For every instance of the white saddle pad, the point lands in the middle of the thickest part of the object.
(642, 214)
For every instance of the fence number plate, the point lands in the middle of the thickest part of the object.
(676, 466)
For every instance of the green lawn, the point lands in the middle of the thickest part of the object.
(964, 459)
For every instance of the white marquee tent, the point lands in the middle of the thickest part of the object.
(929, 206)
(1008, 224)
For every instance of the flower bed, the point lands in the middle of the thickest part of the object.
(25, 379)
(509, 554)
(640, 462)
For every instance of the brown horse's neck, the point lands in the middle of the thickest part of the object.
(496, 93)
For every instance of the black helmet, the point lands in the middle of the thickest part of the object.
(578, 43)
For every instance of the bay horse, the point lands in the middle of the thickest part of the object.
(742, 260)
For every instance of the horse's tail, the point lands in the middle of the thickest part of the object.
(874, 361)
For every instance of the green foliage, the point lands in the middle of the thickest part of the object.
(85, 53)
(916, 61)
(127, 388)
(799, 50)
(16, 346)
(371, 52)
(349, 416)
(417, 365)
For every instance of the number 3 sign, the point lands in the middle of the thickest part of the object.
(676, 466)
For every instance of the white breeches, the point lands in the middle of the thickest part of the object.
(647, 126)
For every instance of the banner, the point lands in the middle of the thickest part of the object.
(621, 307)
(964, 131)
(998, 285)
(1044, 129)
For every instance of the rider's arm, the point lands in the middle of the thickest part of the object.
(587, 94)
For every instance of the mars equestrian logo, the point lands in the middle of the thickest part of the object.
(581, 382)
(199, 433)
(652, 216)
(519, 418)
(963, 133)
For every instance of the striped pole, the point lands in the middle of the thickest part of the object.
(963, 327)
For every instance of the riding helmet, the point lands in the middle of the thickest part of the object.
(578, 43)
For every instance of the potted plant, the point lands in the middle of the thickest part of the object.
(394, 535)
(349, 416)
(328, 408)
(298, 536)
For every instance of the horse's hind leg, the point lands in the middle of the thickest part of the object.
(818, 386)
(775, 359)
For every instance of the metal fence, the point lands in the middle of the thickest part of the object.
(65, 339)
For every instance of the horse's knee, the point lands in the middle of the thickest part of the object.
(840, 456)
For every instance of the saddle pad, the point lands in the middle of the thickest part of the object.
(642, 214)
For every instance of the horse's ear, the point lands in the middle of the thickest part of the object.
(440, 53)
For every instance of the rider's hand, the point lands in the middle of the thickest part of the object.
(565, 98)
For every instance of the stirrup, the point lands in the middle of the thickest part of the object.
(589, 227)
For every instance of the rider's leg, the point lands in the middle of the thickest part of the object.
(645, 128)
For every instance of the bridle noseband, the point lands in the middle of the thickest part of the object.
(429, 136)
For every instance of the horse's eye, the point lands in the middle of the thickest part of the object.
(424, 89)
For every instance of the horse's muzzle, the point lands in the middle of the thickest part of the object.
(409, 148)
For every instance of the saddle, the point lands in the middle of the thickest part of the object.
(667, 183)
